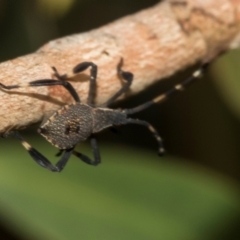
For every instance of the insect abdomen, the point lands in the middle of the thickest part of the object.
(104, 118)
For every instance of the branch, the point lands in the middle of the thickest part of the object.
(154, 43)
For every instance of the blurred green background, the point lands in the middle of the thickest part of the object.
(191, 193)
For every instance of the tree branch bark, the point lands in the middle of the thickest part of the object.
(154, 43)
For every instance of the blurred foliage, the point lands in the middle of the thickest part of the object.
(124, 198)
(133, 194)
(54, 8)
(227, 77)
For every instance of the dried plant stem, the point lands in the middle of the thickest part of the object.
(154, 43)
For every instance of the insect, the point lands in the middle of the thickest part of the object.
(74, 123)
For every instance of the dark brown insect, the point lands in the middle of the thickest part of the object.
(76, 122)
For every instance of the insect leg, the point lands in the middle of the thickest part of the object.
(126, 76)
(37, 156)
(93, 76)
(43, 161)
(96, 153)
(179, 87)
(46, 82)
(58, 75)
(152, 130)
(59, 153)
(80, 68)
(64, 159)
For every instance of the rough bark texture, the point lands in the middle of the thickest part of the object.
(154, 43)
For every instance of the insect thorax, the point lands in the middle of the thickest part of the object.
(68, 126)
(105, 117)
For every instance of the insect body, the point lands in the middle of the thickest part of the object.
(76, 122)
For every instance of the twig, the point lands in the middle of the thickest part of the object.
(154, 43)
